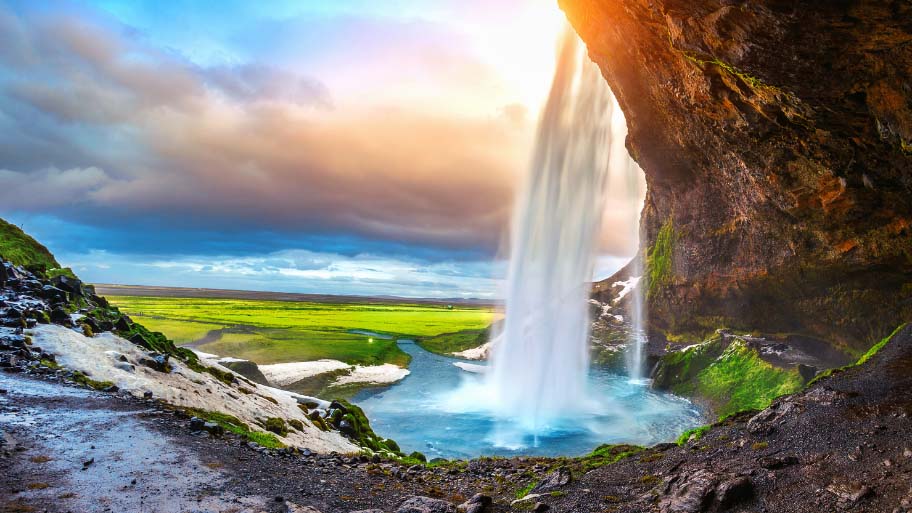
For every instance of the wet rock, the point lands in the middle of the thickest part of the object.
(850, 493)
(71, 285)
(60, 316)
(147, 394)
(53, 293)
(157, 361)
(479, 503)
(418, 504)
(553, 481)
(688, 494)
(541, 507)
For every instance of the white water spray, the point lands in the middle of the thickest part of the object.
(540, 362)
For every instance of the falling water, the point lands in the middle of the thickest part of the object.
(541, 358)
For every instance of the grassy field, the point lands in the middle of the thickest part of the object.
(289, 331)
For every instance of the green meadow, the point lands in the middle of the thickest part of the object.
(289, 331)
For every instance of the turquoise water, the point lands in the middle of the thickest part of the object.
(441, 410)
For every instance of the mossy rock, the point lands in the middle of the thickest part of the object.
(275, 425)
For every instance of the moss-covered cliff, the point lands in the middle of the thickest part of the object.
(776, 139)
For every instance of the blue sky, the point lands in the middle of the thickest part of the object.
(354, 147)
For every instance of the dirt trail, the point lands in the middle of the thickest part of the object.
(77, 450)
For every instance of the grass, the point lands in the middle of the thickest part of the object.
(284, 331)
(21, 249)
(447, 343)
(864, 358)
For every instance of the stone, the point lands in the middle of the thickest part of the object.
(553, 481)
(123, 324)
(60, 316)
(541, 507)
(734, 491)
(214, 429)
(53, 293)
(419, 504)
(368, 511)
(479, 503)
(147, 394)
(71, 285)
(688, 493)
(850, 493)
(197, 424)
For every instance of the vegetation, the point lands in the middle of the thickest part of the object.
(740, 380)
(447, 343)
(21, 249)
(733, 378)
(695, 434)
(659, 258)
(283, 331)
(864, 358)
(234, 425)
(607, 454)
(82, 379)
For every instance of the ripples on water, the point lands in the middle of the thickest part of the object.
(444, 411)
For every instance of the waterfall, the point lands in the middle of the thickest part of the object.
(540, 359)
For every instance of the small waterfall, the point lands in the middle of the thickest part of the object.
(540, 360)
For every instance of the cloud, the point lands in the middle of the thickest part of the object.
(244, 145)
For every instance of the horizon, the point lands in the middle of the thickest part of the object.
(256, 156)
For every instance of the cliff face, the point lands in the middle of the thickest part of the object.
(777, 145)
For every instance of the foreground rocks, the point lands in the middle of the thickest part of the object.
(841, 445)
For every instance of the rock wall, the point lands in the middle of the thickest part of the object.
(776, 138)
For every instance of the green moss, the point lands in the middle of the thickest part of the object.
(87, 331)
(522, 492)
(659, 258)
(275, 425)
(696, 433)
(296, 424)
(49, 364)
(759, 446)
(82, 379)
(740, 380)
(234, 425)
(363, 433)
(42, 317)
(864, 358)
(607, 454)
(19, 248)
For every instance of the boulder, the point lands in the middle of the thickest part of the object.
(197, 424)
(71, 285)
(291, 507)
(419, 504)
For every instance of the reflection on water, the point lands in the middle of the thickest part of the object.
(441, 411)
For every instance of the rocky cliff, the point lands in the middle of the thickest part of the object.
(776, 138)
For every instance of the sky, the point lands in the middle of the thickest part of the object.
(355, 147)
